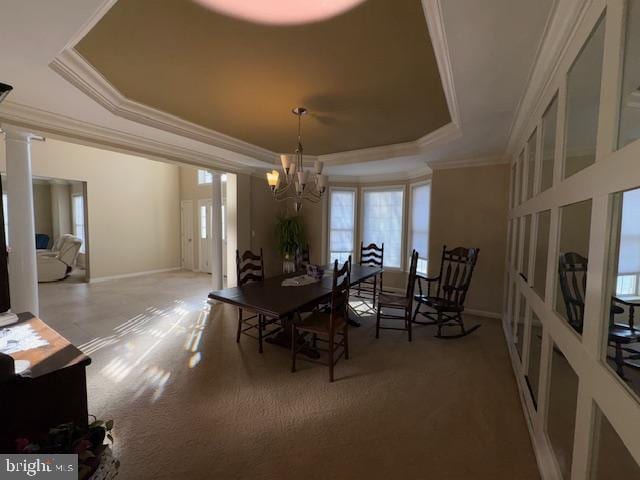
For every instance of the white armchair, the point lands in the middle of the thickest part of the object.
(58, 266)
(57, 246)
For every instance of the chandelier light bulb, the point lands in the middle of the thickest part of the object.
(280, 12)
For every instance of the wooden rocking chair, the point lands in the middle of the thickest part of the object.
(445, 301)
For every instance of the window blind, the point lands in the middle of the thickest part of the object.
(341, 224)
(382, 223)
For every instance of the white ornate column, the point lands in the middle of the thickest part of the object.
(216, 231)
(23, 275)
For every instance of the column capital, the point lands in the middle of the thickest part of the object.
(13, 132)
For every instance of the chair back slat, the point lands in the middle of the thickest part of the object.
(340, 293)
(572, 275)
(249, 267)
(302, 257)
(456, 270)
(413, 272)
(371, 255)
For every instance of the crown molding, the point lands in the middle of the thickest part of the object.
(559, 30)
(437, 32)
(385, 177)
(470, 162)
(53, 125)
(74, 68)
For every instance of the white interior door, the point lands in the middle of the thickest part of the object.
(204, 235)
(186, 234)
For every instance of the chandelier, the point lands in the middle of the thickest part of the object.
(295, 182)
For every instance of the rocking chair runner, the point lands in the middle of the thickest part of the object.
(445, 301)
(250, 268)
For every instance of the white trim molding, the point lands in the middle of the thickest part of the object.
(74, 68)
(560, 29)
(79, 72)
(134, 274)
(470, 162)
(65, 128)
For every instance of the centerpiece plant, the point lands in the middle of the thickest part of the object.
(290, 238)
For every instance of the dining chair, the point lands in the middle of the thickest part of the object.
(389, 301)
(572, 277)
(249, 269)
(330, 326)
(372, 256)
(622, 336)
(445, 294)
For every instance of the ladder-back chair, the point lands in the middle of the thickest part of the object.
(331, 326)
(371, 256)
(404, 303)
(445, 294)
(572, 274)
(302, 258)
(572, 277)
(249, 269)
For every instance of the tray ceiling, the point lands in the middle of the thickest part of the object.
(369, 76)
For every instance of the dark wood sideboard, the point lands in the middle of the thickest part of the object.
(54, 392)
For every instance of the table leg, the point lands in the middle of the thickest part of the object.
(283, 339)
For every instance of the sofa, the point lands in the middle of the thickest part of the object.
(55, 266)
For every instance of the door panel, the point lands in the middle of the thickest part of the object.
(186, 234)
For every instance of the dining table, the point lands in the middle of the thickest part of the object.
(277, 302)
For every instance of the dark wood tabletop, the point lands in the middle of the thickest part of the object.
(270, 298)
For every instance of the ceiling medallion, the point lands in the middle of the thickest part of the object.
(295, 183)
(280, 12)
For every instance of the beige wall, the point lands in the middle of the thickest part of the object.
(469, 208)
(132, 204)
(42, 209)
(60, 209)
(264, 211)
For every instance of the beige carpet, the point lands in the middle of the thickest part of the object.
(188, 402)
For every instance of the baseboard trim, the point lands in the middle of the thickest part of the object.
(541, 448)
(134, 274)
(483, 313)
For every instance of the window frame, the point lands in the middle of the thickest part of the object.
(409, 226)
(204, 176)
(74, 197)
(354, 190)
(403, 228)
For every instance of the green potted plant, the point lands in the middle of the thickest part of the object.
(290, 237)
